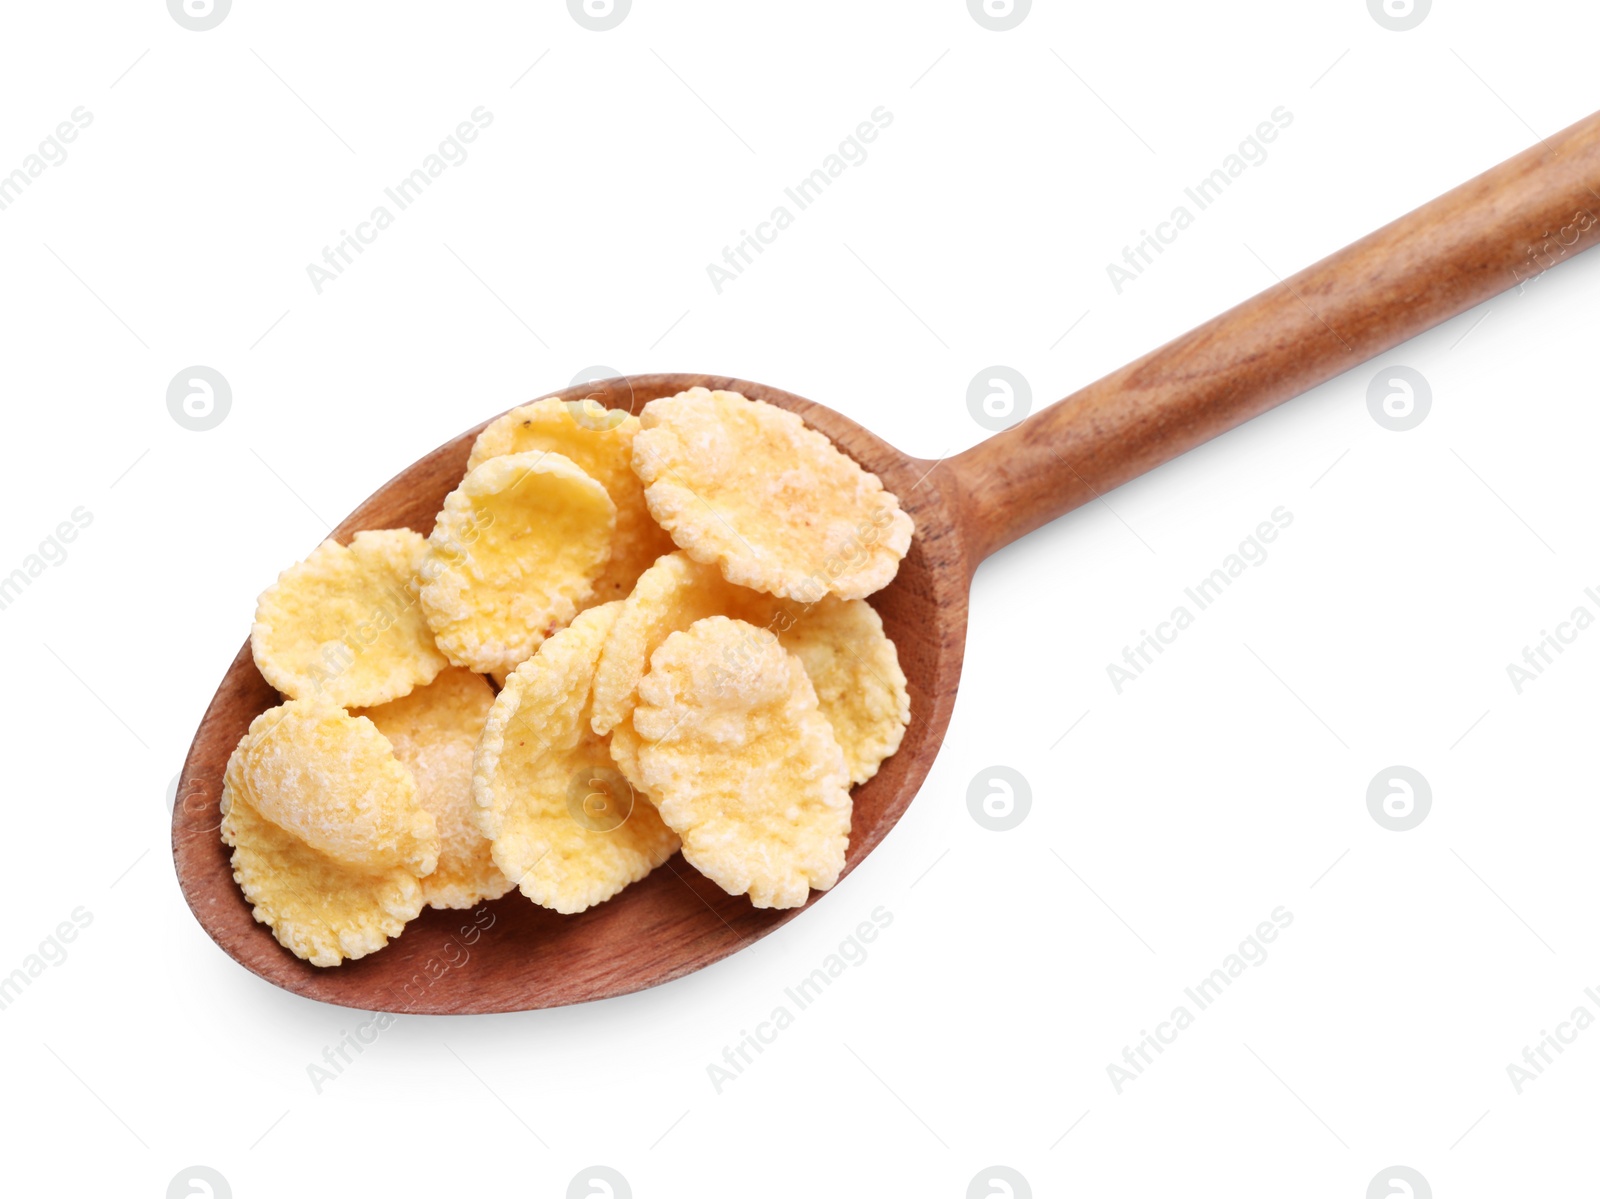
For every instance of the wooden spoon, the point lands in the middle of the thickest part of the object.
(1488, 235)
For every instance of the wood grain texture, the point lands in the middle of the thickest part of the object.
(673, 922)
(1490, 234)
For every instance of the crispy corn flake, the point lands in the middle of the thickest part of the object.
(319, 909)
(741, 763)
(345, 623)
(671, 595)
(564, 825)
(434, 731)
(774, 505)
(856, 673)
(600, 441)
(327, 831)
(332, 780)
(514, 552)
(853, 666)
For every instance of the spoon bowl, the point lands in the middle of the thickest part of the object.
(1492, 233)
(511, 954)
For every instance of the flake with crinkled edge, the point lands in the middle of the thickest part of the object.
(853, 665)
(564, 825)
(332, 780)
(346, 624)
(600, 441)
(741, 763)
(774, 505)
(319, 909)
(514, 552)
(435, 731)
(671, 595)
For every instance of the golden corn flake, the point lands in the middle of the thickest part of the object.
(600, 441)
(746, 486)
(515, 551)
(671, 595)
(565, 826)
(332, 780)
(345, 623)
(856, 673)
(434, 731)
(328, 835)
(741, 763)
(319, 909)
(853, 666)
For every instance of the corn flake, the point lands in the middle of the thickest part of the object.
(744, 485)
(435, 731)
(515, 551)
(856, 673)
(741, 763)
(671, 595)
(345, 623)
(853, 666)
(319, 909)
(328, 836)
(565, 826)
(600, 441)
(333, 781)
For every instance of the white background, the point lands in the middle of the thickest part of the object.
(1228, 780)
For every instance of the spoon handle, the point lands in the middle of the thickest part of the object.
(1492, 233)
